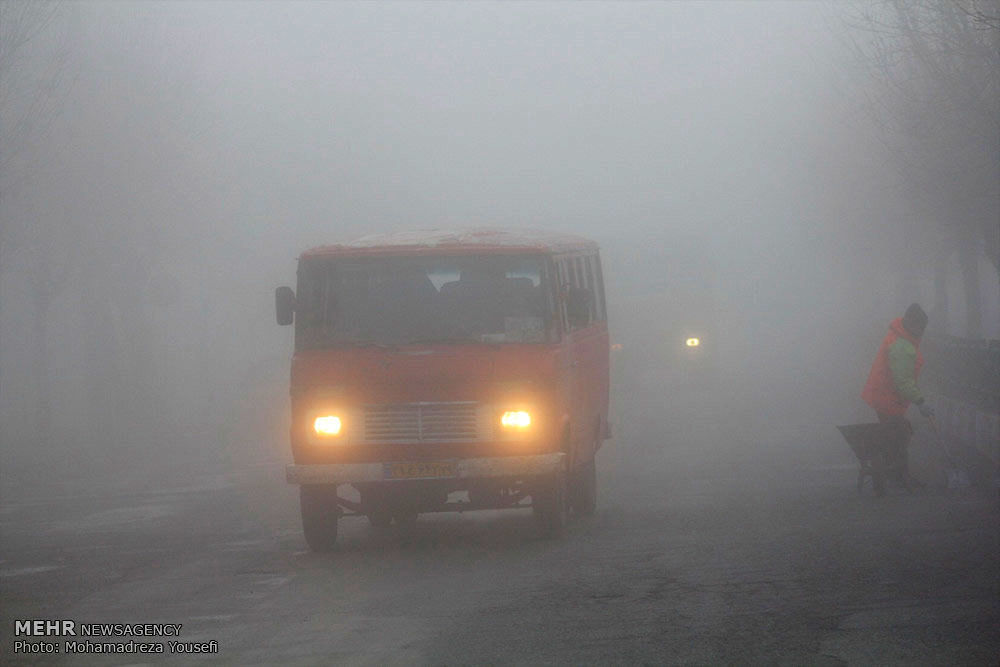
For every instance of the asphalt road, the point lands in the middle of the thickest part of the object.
(716, 541)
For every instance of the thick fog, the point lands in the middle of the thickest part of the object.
(165, 163)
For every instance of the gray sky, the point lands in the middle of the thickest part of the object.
(199, 148)
(328, 116)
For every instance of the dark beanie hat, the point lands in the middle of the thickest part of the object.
(915, 320)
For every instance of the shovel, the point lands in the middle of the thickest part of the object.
(957, 479)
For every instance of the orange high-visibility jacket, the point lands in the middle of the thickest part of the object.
(892, 383)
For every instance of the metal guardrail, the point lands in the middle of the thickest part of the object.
(970, 429)
(965, 370)
(965, 391)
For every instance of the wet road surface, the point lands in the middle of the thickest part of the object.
(712, 544)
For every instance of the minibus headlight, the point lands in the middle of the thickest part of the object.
(327, 425)
(516, 420)
(693, 342)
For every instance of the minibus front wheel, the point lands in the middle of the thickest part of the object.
(549, 504)
(380, 519)
(585, 488)
(405, 518)
(320, 513)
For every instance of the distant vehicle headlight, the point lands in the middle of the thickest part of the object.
(327, 425)
(516, 419)
(693, 342)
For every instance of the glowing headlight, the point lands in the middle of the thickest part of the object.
(693, 342)
(516, 419)
(328, 425)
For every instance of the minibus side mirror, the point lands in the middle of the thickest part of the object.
(578, 302)
(284, 305)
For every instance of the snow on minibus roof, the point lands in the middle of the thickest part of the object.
(447, 241)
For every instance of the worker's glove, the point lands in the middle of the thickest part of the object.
(925, 409)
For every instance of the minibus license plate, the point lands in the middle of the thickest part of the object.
(420, 470)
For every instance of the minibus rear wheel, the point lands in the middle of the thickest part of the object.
(320, 513)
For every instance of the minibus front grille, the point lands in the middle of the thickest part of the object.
(422, 422)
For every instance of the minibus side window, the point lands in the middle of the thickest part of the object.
(588, 263)
(577, 283)
(562, 277)
(579, 271)
(596, 286)
(602, 313)
(552, 283)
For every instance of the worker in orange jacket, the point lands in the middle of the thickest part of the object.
(892, 383)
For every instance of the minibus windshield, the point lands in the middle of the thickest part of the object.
(430, 299)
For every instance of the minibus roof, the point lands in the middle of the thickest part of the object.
(457, 241)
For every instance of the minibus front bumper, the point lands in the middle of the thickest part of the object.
(510, 467)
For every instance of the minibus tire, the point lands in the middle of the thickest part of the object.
(585, 489)
(380, 519)
(405, 519)
(320, 513)
(549, 504)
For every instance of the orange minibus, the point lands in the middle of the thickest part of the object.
(446, 370)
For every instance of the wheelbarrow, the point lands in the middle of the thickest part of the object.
(875, 461)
